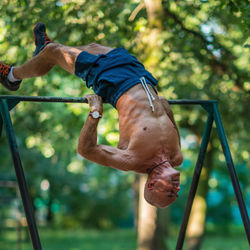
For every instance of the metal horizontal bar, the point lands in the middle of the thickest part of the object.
(44, 99)
(84, 100)
(191, 102)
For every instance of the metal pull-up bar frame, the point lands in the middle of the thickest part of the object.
(9, 102)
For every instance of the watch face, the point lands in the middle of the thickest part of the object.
(95, 114)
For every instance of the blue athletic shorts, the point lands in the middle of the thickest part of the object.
(112, 74)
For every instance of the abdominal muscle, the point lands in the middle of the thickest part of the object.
(150, 136)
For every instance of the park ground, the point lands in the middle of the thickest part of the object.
(119, 239)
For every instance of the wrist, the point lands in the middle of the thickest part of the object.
(95, 114)
(96, 108)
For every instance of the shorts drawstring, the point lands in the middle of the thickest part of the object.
(148, 92)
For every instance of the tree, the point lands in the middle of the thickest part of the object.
(150, 233)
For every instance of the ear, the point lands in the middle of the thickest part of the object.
(151, 184)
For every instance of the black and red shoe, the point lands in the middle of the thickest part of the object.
(4, 71)
(41, 38)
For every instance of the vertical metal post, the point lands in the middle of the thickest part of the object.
(19, 223)
(20, 175)
(232, 171)
(1, 125)
(195, 180)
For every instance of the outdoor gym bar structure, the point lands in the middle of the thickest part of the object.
(7, 103)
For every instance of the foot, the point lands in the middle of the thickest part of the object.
(40, 37)
(4, 71)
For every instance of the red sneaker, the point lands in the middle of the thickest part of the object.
(4, 71)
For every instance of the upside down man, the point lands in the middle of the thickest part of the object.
(149, 139)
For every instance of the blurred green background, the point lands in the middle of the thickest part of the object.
(197, 50)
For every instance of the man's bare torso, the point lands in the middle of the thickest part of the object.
(151, 136)
(146, 138)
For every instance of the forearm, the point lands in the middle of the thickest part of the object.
(88, 136)
(102, 154)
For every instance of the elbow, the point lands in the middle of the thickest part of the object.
(83, 151)
(80, 151)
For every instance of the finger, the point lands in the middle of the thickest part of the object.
(90, 98)
(87, 97)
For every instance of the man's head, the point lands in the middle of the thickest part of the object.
(162, 185)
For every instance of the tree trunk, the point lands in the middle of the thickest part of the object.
(150, 231)
(197, 220)
(149, 42)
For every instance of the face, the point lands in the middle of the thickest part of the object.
(162, 186)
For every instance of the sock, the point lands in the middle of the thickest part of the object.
(11, 77)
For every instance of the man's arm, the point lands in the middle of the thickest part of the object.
(170, 114)
(101, 154)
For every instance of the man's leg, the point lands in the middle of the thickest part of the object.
(52, 54)
(47, 54)
(56, 54)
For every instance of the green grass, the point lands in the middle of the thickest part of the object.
(108, 240)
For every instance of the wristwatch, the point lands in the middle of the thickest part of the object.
(95, 114)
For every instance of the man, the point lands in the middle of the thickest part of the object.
(149, 139)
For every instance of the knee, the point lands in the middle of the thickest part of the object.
(51, 52)
(51, 47)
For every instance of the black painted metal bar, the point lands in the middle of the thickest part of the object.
(195, 180)
(84, 100)
(191, 102)
(1, 125)
(20, 175)
(45, 99)
(8, 102)
(232, 172)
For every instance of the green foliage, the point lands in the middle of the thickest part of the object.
(203, 56)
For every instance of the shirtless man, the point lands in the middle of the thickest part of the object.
(149, 139)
